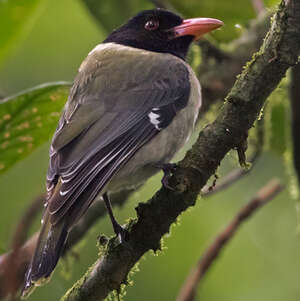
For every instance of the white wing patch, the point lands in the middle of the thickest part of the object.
(153, 117)
(62, 193)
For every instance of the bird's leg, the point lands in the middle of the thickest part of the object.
(168, 169)
(118, 229)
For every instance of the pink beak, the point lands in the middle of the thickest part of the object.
(197, 27)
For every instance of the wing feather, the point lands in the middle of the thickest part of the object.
(101, 166)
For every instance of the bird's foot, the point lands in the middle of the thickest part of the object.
(121, 233)
(168, 169)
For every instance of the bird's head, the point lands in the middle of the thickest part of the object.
(162, 31)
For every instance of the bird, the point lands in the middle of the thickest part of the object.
(132, 106)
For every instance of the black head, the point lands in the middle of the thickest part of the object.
(158, 30)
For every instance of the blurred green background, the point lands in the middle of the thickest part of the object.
(51, 39)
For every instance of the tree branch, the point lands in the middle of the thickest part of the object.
(21, 260)
(265, 194)
(13, 265)
(258, 6)
(279, 51)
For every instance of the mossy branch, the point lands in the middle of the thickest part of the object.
(280, 50)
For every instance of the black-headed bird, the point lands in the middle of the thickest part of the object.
(132, 106)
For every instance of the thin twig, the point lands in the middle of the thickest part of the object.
(210, 50)
(10, 276)
(26, 221)
(265, 194)
(21, 261)
(159, 3)
(258, 6)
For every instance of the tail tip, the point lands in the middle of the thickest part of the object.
(28, 285)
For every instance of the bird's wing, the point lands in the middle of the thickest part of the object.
(107, 118)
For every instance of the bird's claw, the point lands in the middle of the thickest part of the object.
(121, 233)
(168, 169)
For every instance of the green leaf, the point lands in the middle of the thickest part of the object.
(28, 120)
(16, 20)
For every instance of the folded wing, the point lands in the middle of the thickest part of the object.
(105, 122)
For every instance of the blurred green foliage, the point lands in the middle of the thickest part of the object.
(59, 40)
(16, 20)
(43, 41)
(121, 10)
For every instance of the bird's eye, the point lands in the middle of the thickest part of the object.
(152, 25)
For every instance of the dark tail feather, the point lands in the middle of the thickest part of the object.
(49, 247)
